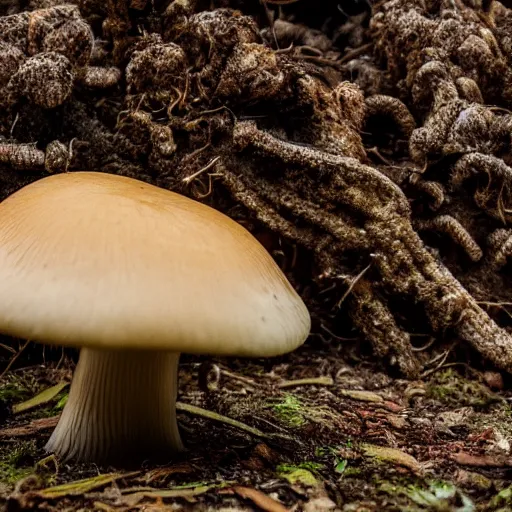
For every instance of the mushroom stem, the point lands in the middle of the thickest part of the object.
(121, 407)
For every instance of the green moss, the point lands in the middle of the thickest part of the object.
(452, 389)
(351, 472)
(502, 500)
(289, 410)
(63, 398)
(498, 417)
(51, 410)
(436, 496)
(299, 476)
(332, 453)
(14, 388)
(310, 466)
(476, 482)
(16, 461)
(192, 485)
(304, 473)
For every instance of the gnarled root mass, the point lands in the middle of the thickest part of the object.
(340, 144)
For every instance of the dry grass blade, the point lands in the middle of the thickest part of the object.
(260, 499)
(42, 398)
(8, 348)
(131, 499)
(198, 411)
(81, 487)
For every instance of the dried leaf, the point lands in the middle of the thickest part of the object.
(132, 499)
(361, 395)
(315, 381)
(494, 380)
(392, 406)
(260, 499)
(391, 455)
(161, 473)
(323, 503)
(98, 505)
(30, 428)
(300, 476)
(489, 461)
(398, 422)
(80, 487)
(42, 398)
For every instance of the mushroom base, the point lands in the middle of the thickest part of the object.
(121, 407)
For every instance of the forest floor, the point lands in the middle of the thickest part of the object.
(330, 435)
(337, 133)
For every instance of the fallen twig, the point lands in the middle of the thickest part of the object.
(13, 359)
(361, 395)
(198, 411)
(30, 428)
(260, 499)
(313, 381)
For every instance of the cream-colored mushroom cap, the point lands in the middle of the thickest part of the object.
(103, 261)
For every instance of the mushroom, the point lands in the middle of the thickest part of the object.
(133, 275)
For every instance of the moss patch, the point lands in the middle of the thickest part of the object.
(17, 460)
(290, 410)
(452, 389)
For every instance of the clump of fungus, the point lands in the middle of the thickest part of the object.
(134, 275)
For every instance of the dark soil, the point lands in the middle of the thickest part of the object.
(448, 434)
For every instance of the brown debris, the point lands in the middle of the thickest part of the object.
(370, 153)
(260, 499)
(494, 380)
(30, 429)
(490, 461)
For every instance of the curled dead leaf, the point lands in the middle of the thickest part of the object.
(490, 461)
(259, 498)
(392, 455)
(361, 395)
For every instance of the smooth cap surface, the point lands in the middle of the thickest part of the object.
(99, 260)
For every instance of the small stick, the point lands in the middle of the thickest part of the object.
(442, 367)
(355, 53)
(196, 152)
(13, 359)
(192, 177)
(240, 378)
(198, 411)
(352, 284)
(427, 345)
(439, 366)
(314, 381)
(335, 336)
(6, 347)
(270, 20)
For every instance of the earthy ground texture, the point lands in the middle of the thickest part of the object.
(368, 146)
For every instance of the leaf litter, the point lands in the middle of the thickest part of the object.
(378, 178)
